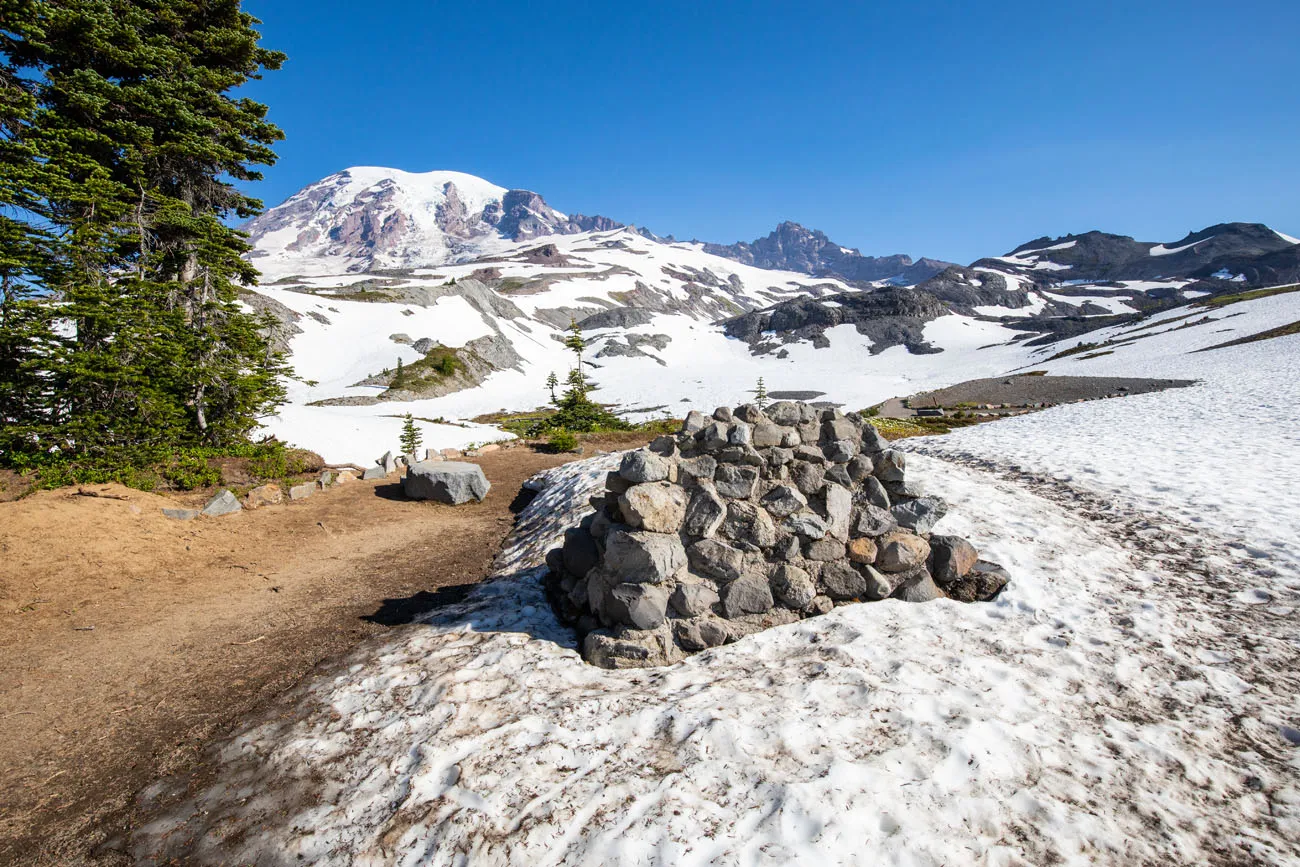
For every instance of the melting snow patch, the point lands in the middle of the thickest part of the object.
(1073, 720)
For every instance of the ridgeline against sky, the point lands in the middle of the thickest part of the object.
(932, 129)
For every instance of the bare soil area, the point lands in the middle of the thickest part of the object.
(1019, 390)
(129, 640)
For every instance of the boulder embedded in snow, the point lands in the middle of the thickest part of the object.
(737, 523)
(449, 482)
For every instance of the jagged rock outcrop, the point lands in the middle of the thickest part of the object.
(791, 247)
(749, 519)
(891, 316)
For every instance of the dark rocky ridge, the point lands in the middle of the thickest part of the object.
(1100, 256)
(791, 247)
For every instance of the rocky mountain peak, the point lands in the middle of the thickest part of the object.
(364, 218)
(793, 247)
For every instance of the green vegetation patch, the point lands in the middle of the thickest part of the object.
(438, 364)
(902, 428)
(1254, 294)
(183, 470)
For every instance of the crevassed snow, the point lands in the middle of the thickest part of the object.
(1109, 708)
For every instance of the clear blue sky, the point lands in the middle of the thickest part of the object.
(953, 130)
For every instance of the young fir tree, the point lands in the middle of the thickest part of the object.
(552, 382)
(399, 376)
(411, 436)
(139, 140)
(760, 394)
(575, 343)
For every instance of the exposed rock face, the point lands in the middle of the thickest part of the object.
(791, 247)
(890, 317)
(449, 482)
(750, 519)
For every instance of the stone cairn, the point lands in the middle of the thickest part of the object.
(751, 519)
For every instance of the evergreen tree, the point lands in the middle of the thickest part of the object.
(121, 331)
(576, 344)
(552, 382)
(399, 377)
(577, 389)
(760, 394)
(411, 436)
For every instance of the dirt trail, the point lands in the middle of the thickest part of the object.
(129, 640)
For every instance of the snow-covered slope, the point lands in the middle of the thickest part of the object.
(1130, 698)
(372, 266)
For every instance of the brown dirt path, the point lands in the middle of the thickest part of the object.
(129, 640)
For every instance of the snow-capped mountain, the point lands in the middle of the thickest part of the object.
(471, 286)
(367, 218)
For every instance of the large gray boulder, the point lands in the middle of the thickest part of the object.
(644, 558)
(693, 598)
(921, 515)
(656, 506)
(715, 559)
(705, 513)
(641, 606)
(643, 466)
(735, 481)
(891, 466)
(749, 594)
(449, 482)
(793, 586)
(901, 551)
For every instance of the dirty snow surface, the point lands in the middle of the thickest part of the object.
(1131, 698)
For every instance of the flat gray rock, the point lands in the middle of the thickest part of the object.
(181, 514)
(224, 503)
(450, 482)
(374, 473)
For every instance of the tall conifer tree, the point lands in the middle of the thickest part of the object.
(123, 142)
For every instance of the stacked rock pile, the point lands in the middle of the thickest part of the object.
(750, 519)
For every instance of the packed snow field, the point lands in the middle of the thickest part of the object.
(1215, 456)
(344, 341)
(1109, 707)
